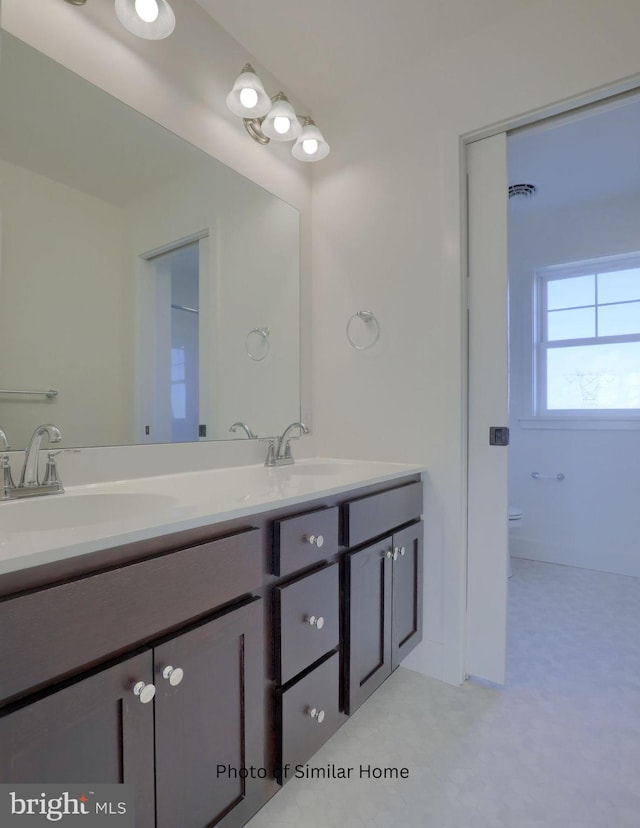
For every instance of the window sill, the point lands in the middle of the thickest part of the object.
(581, 423)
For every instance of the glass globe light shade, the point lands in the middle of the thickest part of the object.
(149, 19)
(248, 98)
(281, 123)
(310, 145)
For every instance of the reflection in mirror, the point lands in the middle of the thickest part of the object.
(134, 271)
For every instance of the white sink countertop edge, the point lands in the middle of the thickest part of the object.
(197, 499)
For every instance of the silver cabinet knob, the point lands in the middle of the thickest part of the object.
(399, 549)
(318, 715)
(316, 540)
(174, 675)
(145, 692)
(393, 554)
(317, 622)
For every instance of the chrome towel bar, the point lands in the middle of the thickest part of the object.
(50, 393)
(556, 476)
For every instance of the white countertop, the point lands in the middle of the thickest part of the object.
(98, 516)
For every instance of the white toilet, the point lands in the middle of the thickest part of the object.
(515, 519)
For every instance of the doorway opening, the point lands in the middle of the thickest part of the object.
(181, 266)
(574, 310)
(574, 390)
(171, 403)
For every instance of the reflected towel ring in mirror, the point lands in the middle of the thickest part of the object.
(365, 335)
(258, 343)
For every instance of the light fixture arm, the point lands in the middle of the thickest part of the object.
(254, 128)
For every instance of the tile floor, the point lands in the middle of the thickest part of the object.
(558, 747)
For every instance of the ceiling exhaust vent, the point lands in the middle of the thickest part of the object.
(523, 190)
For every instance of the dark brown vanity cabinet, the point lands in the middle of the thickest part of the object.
(383, 591)
(100, 730)
(179, 663)
(183, 747)
(95, 730)
(306, 637)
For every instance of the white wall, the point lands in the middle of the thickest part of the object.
(387, 237)
(181, 83)
(63, 281)
(591, 518)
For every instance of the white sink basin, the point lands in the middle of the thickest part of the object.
(65, 511)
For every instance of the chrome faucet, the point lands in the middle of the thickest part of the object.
(29, 476)
(30, 484)
(282, 456)
(245, 428)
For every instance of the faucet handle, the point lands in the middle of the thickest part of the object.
(7, 480)
(270, 459)
(51, 472)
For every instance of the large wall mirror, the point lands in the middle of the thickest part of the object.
(148, 293)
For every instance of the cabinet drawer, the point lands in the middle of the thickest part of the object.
(301, 733)
(377, 514)
(303, 540)
(298, 642)
(54, 632)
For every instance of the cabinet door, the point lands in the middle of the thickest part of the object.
(210, 726)
(94, 731)
(368, 585)
(406, 628)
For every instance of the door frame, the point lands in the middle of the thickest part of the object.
(590, 99)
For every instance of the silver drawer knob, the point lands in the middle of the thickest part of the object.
(145, 692)
(174, 675)
(316, 540)
(399, 549)
(317, 622)
(318, 715)
(393, 554)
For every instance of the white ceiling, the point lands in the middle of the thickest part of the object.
(594, 154)
(324, 51)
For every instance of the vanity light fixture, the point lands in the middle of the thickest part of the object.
(150, 19)
(267, 119)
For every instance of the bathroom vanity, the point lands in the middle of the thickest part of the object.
(201, 665)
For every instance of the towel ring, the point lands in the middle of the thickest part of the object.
(258, 343)
(370, 321)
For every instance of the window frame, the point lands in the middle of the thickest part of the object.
(542, 345)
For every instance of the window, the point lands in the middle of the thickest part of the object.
(588, 338)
